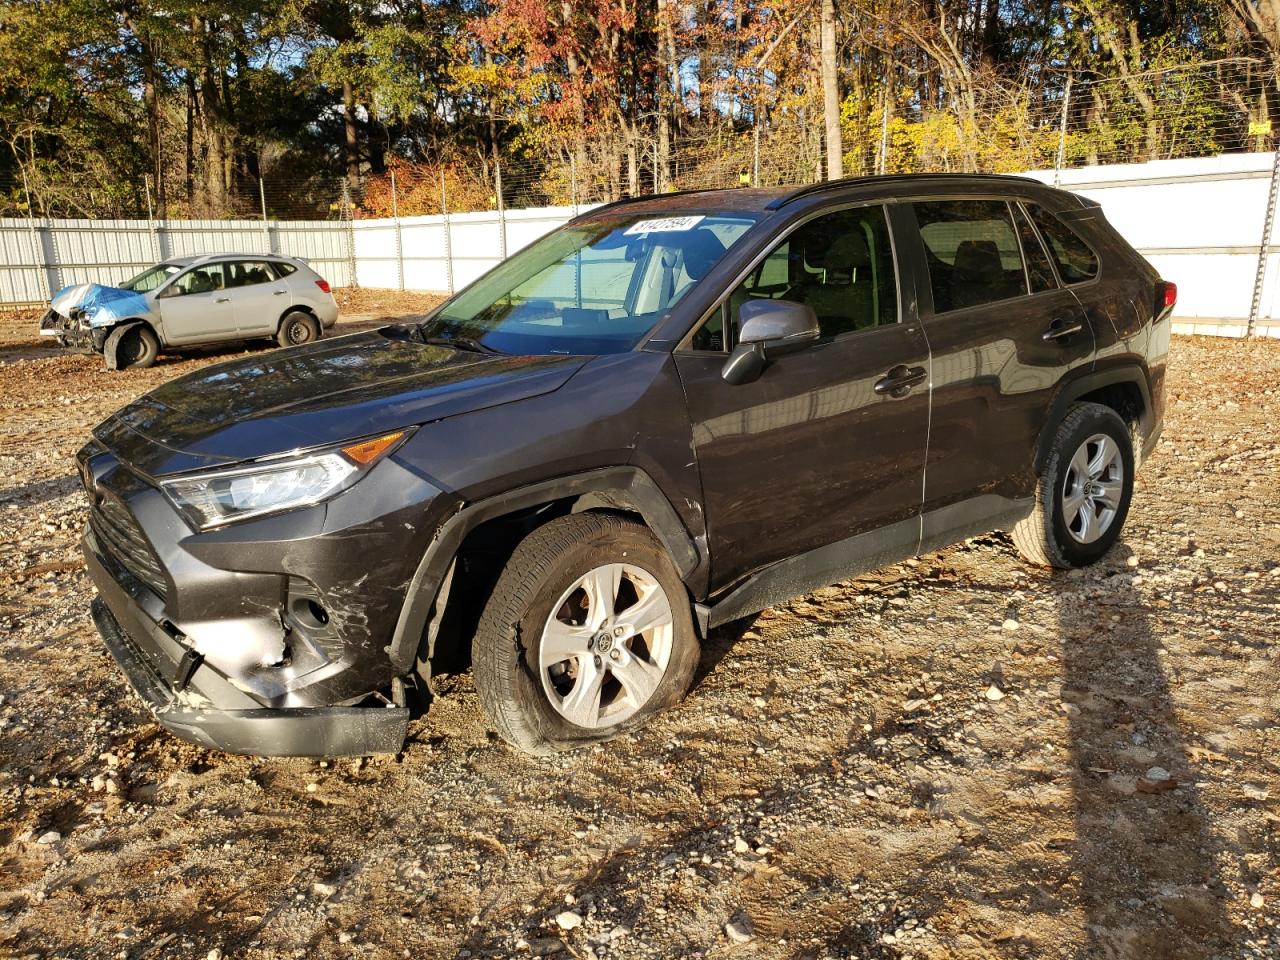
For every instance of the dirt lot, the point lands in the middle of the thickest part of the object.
(956, 757)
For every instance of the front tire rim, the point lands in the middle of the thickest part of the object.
(606, 645)
(299, 332)
(1092, 488)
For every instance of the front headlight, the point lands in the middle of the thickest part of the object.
(217, 497)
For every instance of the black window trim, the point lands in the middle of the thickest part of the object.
(1048, 257)
(685, 346)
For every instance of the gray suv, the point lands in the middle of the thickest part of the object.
(667, 415)
(193, 301)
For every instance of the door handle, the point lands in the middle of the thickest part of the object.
(278, 293)
(222, 300)
(1061, 330)
(898, 382)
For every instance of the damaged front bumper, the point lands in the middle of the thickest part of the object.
(295, 732)
(269, 637)
(74, 332)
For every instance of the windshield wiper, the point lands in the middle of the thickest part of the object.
(458, 343)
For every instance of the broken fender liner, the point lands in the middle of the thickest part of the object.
(292, 732)
(112, 343)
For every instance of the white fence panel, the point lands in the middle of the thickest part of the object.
(1199, 221)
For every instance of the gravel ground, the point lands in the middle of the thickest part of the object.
(959, 756)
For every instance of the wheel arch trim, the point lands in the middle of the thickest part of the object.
(631, 485)
(1126, 373)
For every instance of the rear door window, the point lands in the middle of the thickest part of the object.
(246, 273)
(1075, 259)
(973, 252)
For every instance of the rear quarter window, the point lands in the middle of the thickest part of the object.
(283, 269)
(1074, 258)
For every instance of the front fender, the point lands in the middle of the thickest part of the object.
(622, 486)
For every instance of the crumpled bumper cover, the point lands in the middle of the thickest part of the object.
(292, 732)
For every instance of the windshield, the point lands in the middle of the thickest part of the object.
(589, 288)
(150, 278)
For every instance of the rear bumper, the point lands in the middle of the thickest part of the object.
(156, 662)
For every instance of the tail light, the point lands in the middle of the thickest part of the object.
(1166, 297)
(323, 285)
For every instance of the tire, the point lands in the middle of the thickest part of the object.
(297, 328)
(1082, 498)
(136, 347)
(527, 688)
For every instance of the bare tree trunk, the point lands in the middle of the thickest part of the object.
(151, 102)
(351, 138)
(831, 93)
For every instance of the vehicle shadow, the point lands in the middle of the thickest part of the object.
(1145, 857)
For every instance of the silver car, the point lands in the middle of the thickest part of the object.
(193, 301)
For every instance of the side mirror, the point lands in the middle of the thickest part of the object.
(770, 328)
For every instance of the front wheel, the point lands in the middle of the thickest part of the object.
(134, 348)
(1084, 491)
(587, 633)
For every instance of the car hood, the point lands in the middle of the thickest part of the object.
(102, 306)
(325, 392)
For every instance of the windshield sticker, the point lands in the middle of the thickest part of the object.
(664, 225)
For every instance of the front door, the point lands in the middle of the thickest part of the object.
(196, 308)
(258, 299)
(1002, 333)
(826, 448)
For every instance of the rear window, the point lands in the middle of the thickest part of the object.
(1075, 259)
(973, 252)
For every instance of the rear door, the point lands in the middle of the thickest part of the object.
(822, 447)
(196, 308)
(258, 299)
(1002, 333)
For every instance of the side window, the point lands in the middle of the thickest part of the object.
(1039, 273)
(1076, 261)
(200, 280)
(840, 264)
(245, 273)
(972, 251)
(282, 269)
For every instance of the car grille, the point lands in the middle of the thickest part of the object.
(122, 540)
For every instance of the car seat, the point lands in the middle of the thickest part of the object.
(978, 275)
(841, 294)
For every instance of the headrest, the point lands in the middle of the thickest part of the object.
(846, 254)
(978, 260)
(702, 251)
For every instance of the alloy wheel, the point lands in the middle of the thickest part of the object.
(606, 646)
(1092, 489)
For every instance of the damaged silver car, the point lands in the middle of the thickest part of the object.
(190, 302)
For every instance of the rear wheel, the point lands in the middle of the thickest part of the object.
(587, 633)
(297, 328)
(1084, 491)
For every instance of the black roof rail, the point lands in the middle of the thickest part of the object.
(825, 185)
(623, 201)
